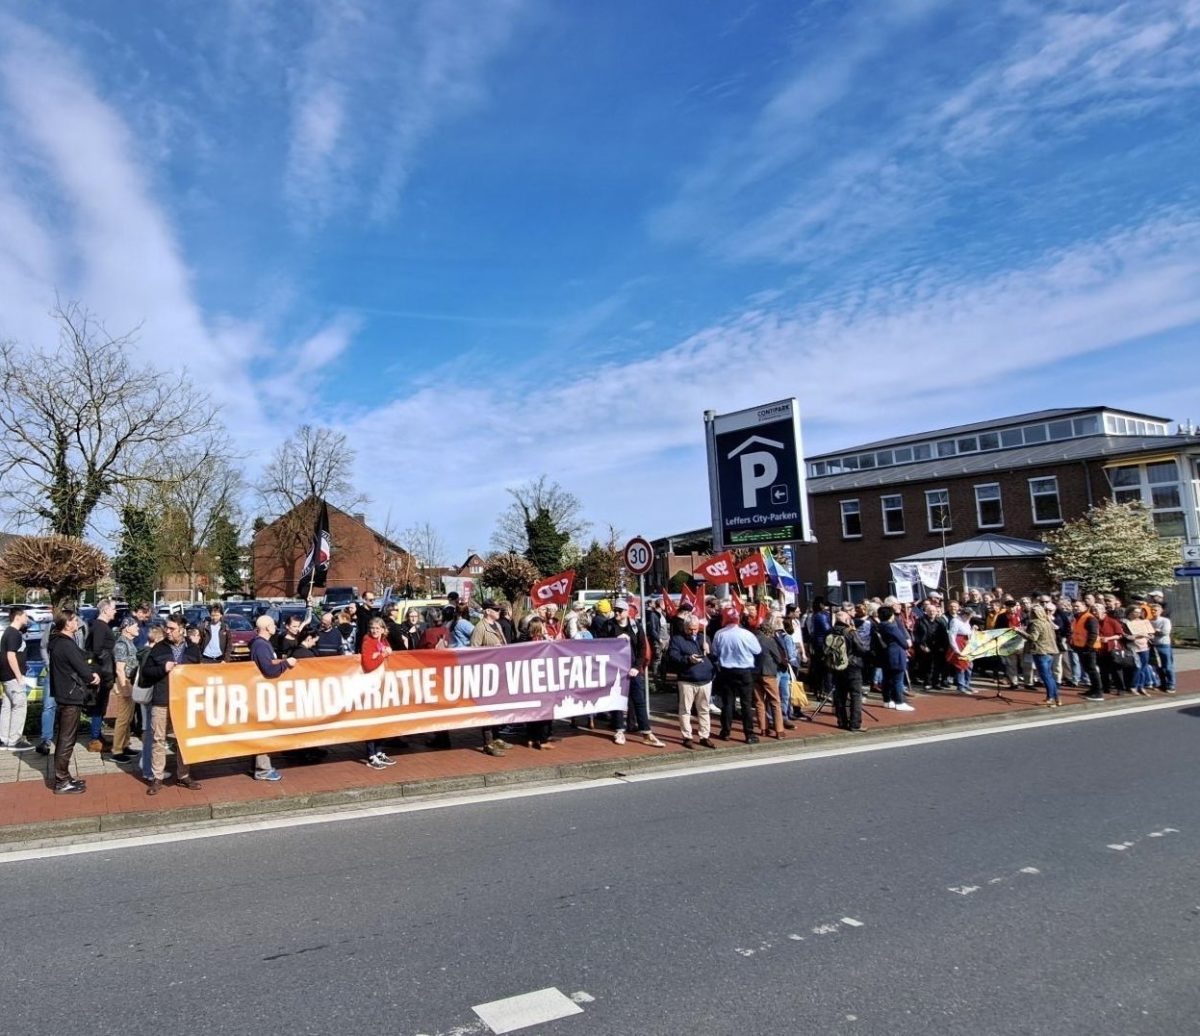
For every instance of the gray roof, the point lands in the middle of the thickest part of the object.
(985, 426)
(989, 545)
(1089, 448)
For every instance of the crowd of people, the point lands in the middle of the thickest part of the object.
(762, 666)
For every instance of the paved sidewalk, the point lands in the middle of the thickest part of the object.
(116, 798)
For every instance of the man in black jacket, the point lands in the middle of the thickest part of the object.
(70, 678)
(99, 646)
(848, 682)
(623, 626)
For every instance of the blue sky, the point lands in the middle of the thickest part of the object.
(497, 239)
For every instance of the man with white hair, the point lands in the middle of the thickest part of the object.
(262, 654)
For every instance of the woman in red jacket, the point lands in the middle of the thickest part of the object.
(375, 649)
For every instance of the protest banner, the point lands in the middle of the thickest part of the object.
(752, 570)
(232, 710)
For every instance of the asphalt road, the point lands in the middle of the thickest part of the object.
(969, 886)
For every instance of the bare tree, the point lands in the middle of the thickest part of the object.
(424, 542)
(196, 492)
(312, 465)
(80, 423)
(535, 499)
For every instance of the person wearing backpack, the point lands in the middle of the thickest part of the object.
(844, 658)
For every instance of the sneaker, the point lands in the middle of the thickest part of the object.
(187, 782)
(44, 747)
(20, 745)
(493, 748)
(653, 740)
(123, 757)
(69, 788)
(714, 710)
(385, 759)
(619, 737)
(687, 743)
(155, 787)
(375, 763)
(270, 775)
(1093, 697)
(504, 746)
(905, 707)
(705, 743)
(889, 704)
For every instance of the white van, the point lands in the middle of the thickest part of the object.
(591, 598)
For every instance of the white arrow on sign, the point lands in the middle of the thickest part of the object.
(1191, 552)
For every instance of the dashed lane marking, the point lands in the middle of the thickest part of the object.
(520, 1012)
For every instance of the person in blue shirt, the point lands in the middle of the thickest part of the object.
(735, 649)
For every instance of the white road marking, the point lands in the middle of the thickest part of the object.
(1119, 848)
(743, 952)
(46, 848)
(852, 922)
(520, 1012)
(962, 890)
(796, 938)
(583, 998)
(825, 929)
(995, 881)
(1030, 870)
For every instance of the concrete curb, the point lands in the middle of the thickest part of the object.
(17, 836)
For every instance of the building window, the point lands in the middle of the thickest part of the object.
(884, 458)
(1035, 433)
(989, 508)
(1060, 430)
(1086, 425)
(851, 520)
(989, 441)
(855, 593)
(922, 452)
(904, 454)
(945, 448)
(969, 445)
(937, 509)
(979, 578)
(1011, 437)
(893, 515)
(1157, 487)
(1043, 495)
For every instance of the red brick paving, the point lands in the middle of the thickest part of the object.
(31, 802)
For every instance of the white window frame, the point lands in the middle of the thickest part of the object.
(929, 506)
(1033, 497)
(884, 511)
(1145, 490)
(977, 584)
(854, 591)
(999, 498)
(856, 511)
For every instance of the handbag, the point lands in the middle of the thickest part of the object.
(1123, 657)
(141, 695)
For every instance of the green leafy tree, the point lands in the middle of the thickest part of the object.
(546, 542)
(599, 568)
(1112, 548)
(511, 575)
(226, 553)
(136, 567)
(678, 581)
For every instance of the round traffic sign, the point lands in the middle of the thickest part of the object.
(639, 556)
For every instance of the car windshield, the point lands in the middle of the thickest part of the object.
(238, 623)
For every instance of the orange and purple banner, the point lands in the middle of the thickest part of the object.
(233, 710)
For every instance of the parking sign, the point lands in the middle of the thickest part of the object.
(756, 475)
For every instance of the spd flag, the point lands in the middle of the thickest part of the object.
(668, 604)
(719, 569)
(752, 570)
(554, 589)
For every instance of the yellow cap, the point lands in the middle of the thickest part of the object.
(604, 608)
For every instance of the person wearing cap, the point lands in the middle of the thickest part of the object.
(602, 618)
(735, 650)
(623, 627)
(125, 661)
(488, 633)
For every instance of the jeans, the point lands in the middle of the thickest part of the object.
(893, 686)
(147, 741)
(49, 709)
(1089, 668)
(737, 684)
(1166, 666)
(12, 711)
(1045, 670)
(1143, 676)
(785, 694)
(962, 678)
(638, 707)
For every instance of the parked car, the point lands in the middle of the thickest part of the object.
(33, 636)
(241, 633)
(339, 597)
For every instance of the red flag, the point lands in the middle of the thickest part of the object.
(738, 603)
(668, 604)
(699, 599)
(764, 613)
(686, 596)
(719, 569)
(753, 570)
(553, 589)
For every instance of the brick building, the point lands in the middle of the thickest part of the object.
(986, 492)
(361, 557)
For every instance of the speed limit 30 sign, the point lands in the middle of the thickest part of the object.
(639, 556)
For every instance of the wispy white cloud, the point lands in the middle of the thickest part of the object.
(373, 84)
(627, 436)
(808, 178)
